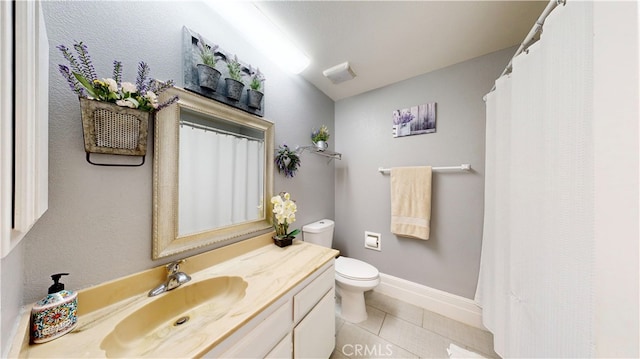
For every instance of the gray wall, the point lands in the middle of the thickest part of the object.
(449, 260)
(98, 226)
(11, 292)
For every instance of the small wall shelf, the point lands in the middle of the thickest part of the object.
(326, 153)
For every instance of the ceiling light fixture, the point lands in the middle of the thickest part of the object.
(339, 73)
(263, 34)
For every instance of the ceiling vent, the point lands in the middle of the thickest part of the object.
(339, 73)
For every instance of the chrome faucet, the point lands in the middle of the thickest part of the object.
(175, 278)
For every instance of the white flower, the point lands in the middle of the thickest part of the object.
(128, 87)
(276, 199)
(111, 83)
(153, 99)
(128, 102)
(284, 212)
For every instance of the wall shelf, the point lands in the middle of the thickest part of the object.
(326, 153)
(191, 57)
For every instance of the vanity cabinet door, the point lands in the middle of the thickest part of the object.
(315, 337)
(284, 349)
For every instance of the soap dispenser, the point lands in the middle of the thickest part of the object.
(56, 314)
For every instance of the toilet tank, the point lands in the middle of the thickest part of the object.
(320, 232)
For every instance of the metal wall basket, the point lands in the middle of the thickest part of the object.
(112, 129)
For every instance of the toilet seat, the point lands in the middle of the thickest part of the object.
(354, 269)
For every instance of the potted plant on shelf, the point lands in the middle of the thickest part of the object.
(115, 114)
(320, 138)
(287, 161)
(208, 75)
(284, 213)
(254, 93)
(234, 81)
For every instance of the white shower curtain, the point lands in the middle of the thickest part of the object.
(220, 181)
(536, 276)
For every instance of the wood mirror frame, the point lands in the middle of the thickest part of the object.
(166, 240)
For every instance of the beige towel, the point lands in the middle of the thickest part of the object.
(411, 201)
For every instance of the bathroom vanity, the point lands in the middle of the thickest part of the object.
(302, 323)
(249, 299)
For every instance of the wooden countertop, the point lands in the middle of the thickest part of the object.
(269, 271)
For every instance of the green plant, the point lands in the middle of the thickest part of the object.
(235, 69)
(256, 80)
(284, 213)
(320, 135)
(207, 52)
(287, 161)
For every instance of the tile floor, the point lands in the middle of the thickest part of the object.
(396, 329)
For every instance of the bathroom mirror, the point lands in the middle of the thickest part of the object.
(212, 174)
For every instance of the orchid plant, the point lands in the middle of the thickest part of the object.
(83, 81)
(284, 213)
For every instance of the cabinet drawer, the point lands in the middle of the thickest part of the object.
(312, 293)
(265, 336)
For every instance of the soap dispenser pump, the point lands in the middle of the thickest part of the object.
(56, 286)
(56, 314)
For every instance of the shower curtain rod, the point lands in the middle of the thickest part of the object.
(532, 33)
(462, 167)
(217, 130)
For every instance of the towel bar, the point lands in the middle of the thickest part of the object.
(462, 167)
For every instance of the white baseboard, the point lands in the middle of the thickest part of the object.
(449, 305)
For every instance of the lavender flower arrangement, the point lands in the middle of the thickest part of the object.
(402, 117)
(287, 161)
(84, 82)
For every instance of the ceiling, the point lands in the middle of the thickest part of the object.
(389, 41)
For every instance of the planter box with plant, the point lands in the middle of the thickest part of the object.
(320, 138)
(208, 76)
(234, 81)
(115, 114)
(254, 93)
(235, 69)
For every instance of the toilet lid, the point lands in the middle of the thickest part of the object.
(355, 269)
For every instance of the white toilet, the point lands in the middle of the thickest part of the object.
(353, 277)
